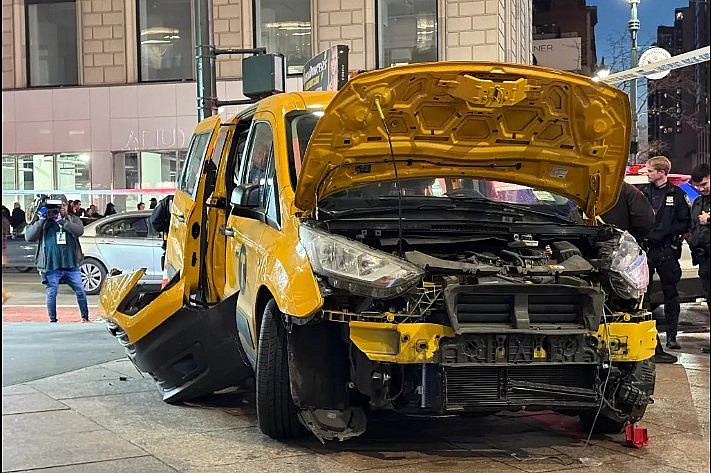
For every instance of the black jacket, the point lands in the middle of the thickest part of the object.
(699, 234)
(632, 212)
(672, 218)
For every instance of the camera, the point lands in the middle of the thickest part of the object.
(48, 205)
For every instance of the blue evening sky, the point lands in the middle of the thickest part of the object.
(612, 38)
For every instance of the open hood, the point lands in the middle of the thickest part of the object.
(528, 125)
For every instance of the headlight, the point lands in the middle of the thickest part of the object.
(355, 267)
(630, 273)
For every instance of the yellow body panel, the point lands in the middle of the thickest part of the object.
(137, 326)
(528, 125)
(629, 341)
(398, 343)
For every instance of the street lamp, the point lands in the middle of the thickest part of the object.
(601, 71)
(633, 26)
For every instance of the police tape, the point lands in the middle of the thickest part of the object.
(675, 62)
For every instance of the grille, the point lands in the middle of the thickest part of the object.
(477, 387)
(517, 307)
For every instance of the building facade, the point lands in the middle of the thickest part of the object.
(564, 35)
(678, 108)
(100, 95)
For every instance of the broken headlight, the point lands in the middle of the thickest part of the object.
(355, 267)
(629, 270)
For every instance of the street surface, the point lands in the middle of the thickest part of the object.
(72, 402)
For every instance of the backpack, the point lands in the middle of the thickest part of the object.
(160, 217)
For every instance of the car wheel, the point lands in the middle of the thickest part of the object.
(93, 274)
(603, 424)
(276, 411)
(25, 269)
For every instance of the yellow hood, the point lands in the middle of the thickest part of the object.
(528, 125)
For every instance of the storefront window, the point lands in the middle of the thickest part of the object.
(35, 172)
(165, 40)
(52, 42)
(407, 31)
(8, 172)
(284, 26)
(73, 172)
(159, 169)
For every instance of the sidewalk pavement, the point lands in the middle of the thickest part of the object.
(110, 418)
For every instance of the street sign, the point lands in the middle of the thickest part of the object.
(651, 56)
(675, 62)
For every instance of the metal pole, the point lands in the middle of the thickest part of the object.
(204, 60)
(633, 26)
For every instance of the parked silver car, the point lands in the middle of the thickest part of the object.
(124, 241)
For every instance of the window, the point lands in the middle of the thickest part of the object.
(165, 46)
(191, 170)
(407, 31)
(284, 26)
(73, 172)
(259, 169)
(52, 42)
(159, 169)
(8, 172)
(136, 227)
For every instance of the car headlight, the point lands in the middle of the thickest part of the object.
(355, 267)
(630, 273)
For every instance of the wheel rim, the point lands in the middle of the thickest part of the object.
(90, 276)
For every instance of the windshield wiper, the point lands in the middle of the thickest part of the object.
(518, 208)
(444, 205)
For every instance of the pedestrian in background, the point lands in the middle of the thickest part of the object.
(110, 209)
(699, 233)
(5, 233)
(634, 213)
(141, 206)
(17, 218)
(672, 215)
(160, 221)
(59, 254)
(153, 202)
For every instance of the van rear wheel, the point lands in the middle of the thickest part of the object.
(276, 411)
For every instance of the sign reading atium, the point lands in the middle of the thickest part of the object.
(328, 70)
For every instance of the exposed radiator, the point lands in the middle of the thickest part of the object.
(476, 387)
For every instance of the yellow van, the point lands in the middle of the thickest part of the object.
(422, 241)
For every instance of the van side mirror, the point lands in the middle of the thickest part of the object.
(247, 195)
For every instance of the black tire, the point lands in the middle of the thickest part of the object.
(93, 275)
(276, 411)
(25, 269)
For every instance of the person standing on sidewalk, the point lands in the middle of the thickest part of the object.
(5, 233)
(58, 252)
(671, 207)
(634, 213)
(699, 233)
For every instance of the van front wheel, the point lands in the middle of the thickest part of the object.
(276, 411)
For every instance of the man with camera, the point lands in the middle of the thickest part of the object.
(58, 252)
(699, 239)
(663, 245)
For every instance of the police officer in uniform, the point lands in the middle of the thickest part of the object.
(634, 213)
(672, 217)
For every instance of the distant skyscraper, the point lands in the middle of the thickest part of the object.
(678, 105)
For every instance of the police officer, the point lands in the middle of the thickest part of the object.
(672, 215)
(634, 213)
(699, 233)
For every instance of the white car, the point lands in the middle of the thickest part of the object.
(124, 241)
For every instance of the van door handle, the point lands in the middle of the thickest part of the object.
(227, 231)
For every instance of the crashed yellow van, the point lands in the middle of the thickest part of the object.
(423, 241)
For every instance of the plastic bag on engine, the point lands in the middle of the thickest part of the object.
(630, 262)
